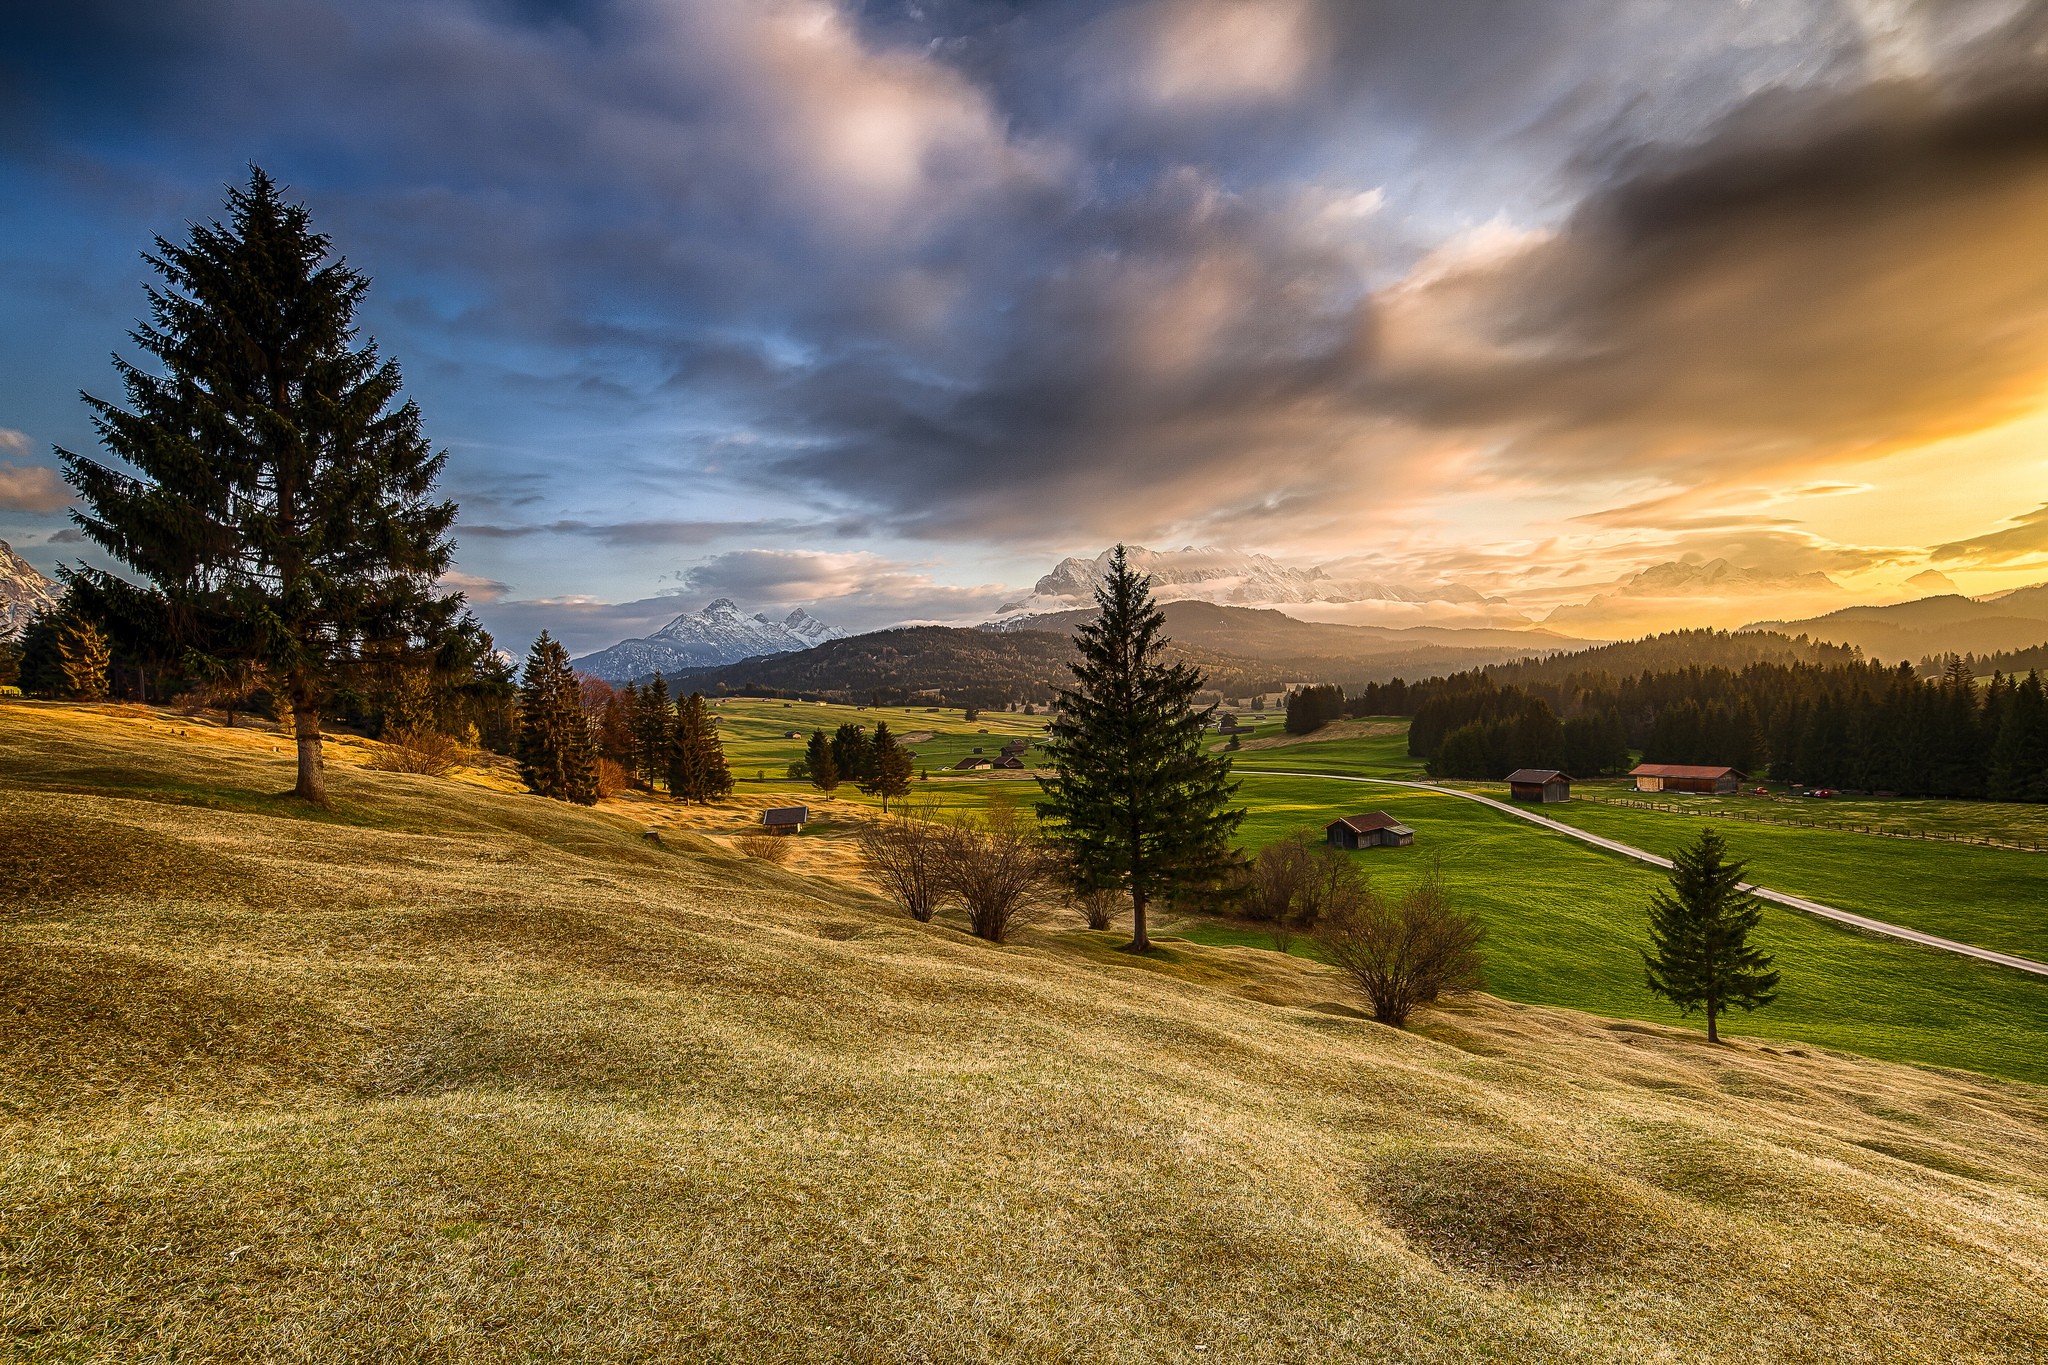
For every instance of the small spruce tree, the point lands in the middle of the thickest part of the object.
(1135, 800)
(556, 755)
(85, 659)
(819, 763)
(654, 724)
(889, 766)
(1700, 957)
(697, 769)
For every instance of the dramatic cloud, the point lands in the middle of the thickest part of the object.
(2025, 538)
(1526, 295)
(32, 488)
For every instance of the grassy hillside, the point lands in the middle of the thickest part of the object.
(455, 1074)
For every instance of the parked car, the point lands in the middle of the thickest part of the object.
(1822, 791)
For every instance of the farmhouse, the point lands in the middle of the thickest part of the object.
(785, 819)
(1008, 760)
(1685, 777)
(1377, 830)
(1543, 785)
(970, 762)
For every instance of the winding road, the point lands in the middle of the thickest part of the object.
(1864, 922)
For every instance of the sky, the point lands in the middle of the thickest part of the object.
(880, 309)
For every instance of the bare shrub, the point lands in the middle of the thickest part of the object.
(1292, 884)
(906, 853)
(999, 870)
(417, 749)
(769, 848)
(1100, 906)
(612, 778)
(1405, 954)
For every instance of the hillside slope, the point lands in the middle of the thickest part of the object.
(1946, 624)
(455, 1074)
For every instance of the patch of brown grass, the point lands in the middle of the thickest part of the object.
(451, 1073)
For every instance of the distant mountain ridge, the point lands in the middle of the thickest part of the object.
(1226, 577)
(24, 591)
(721, 633)
(1242, 650)
(1944, 624)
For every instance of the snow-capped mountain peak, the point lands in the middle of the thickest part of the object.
(23, 592)
(721, 633)
(1208, 573)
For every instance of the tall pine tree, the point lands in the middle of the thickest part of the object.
(1134, 799)
(1700, 957)
(557, 757)
(282, 512)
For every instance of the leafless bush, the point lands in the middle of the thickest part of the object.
(999, 870)
(1405, 954)
(417, 749)
(1100, 907)
(907, 854)
(769, 848)
(1292, 884)
(612, 778)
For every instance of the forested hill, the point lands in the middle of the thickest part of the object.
(965, 667)
(1670, 652)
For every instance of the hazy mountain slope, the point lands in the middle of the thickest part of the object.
(721, 633)
(23, 591)
(1945, 624)
(1240, 649)
(470, 1075)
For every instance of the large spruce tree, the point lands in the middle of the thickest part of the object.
(1700, 956)
(557, 756)
(1137, 803)
(282, 509)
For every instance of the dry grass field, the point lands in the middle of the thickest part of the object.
(450, 1073)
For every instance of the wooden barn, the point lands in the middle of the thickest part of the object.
(1542, 785)
(1685, 777)
(1377, 830)
(785, 819)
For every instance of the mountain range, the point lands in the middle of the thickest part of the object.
(721, 633)
(23, 592)
(1945, 624)
(1231, 577)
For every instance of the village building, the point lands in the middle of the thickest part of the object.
(1685, 777)
(1376, 830)
(1542, 785)
(970, 762)
(785, 819)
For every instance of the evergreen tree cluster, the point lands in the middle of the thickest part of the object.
(1311, 708)
(1840, 722)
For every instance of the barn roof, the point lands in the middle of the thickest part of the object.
(1679, 770)
(786, 815)
(1538, 775)
(1366, 824)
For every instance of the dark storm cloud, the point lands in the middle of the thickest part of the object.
(638, 533)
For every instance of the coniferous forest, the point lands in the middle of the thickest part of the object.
(1844, 723)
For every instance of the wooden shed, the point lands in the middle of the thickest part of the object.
(1542, 785)
(785, 819)
(1376, 830)
(1685, 777)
